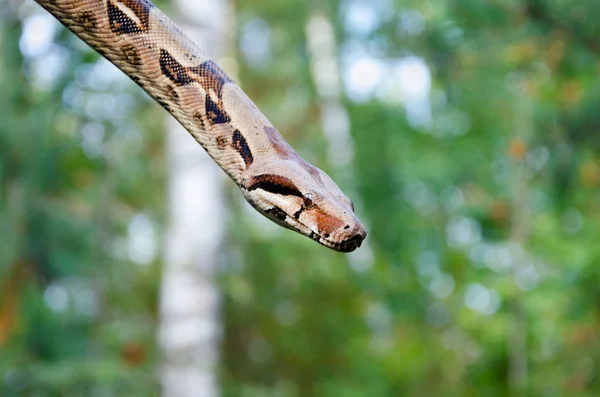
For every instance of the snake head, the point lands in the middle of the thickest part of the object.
(305, 199)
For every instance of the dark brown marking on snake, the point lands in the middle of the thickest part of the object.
(211, 77)
(199, 119)
(173, 95)
(208, 75)
(221, 142)
(239, 143)
(141, 9)
(173, 69)
(215, 112)
(119, 22)
(274, 184)
(276, 213)
(131, 54)
(297, 213)
(87, 20)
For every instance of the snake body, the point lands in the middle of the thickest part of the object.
(146, 45)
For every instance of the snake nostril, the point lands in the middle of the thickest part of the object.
(326, 235)
(353, 243)
(347, 227)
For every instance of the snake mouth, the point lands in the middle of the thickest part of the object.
(348, 245)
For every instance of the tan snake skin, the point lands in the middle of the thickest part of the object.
(146, 45)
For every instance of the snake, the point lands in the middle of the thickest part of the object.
(274, 179)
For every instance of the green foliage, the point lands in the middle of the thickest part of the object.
(483, 224)
(76, 317)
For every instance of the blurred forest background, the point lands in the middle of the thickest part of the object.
(467, 133)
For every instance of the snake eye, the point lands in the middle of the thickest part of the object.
(308, 200)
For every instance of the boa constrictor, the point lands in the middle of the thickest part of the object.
(146, 45)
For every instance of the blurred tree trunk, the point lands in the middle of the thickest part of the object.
(190, 326)
(326, 78)
(519, 236)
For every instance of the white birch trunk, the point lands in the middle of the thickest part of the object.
(190, 328)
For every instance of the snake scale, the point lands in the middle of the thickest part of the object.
(146, 45)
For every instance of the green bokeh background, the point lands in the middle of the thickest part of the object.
(482, 272)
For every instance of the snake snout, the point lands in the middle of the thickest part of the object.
(354, 242)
